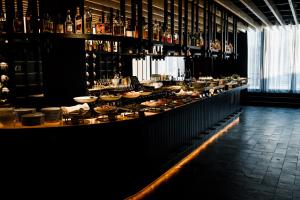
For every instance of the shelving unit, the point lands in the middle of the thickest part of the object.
(190, 17)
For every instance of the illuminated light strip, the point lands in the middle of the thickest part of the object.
(177, 167)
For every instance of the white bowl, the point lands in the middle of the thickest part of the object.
(85, 99)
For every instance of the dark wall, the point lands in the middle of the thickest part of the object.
(64, 70)
(54, 7)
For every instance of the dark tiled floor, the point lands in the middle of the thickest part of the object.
(257, 159)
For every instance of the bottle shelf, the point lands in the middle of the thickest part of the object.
(128, 40)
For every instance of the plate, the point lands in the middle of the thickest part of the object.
(85, 99)
(145, 93)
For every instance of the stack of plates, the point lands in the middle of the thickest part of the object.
(33, 119)
(52, 114)
(22, 111)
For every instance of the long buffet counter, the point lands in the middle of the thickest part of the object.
(126, 153)
(165, 127)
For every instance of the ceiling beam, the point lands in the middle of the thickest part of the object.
(275, 11)
(255, 10)
(238, 12)
(293, 11)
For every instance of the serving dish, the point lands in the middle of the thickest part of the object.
(85, 99)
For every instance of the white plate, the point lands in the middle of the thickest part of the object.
(85, 99)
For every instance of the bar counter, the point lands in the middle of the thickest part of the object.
(126, 154)
(165, 130)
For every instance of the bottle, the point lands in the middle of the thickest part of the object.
(129, 32)
(175, 38)
(161, 33)
(48, 25)
(69, 23)
(59, 25)
(108, 28)
(155, 31)
(18, 23)
(28, 21)
(118, 25)
(38, 23)
(2, 19)
(145, 29)
(78, 22)
(88, 22)
(168, 36)
(136, 30)
(197, 39)
(100, 26)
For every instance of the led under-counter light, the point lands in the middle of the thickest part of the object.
(177, 167)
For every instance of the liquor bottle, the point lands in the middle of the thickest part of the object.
(168, 36)
(136, 30)
(28, 21)
(45, 23)
(18, 23)
(48, 25)
(69, 28)
(175, 38)
(145, 29)
(108, 28)
(88, 22)
(155, 31)
(161, 33)
(100, 26)
(128, 32)
(78, 22)
(2, 19)
(118, 25)
(38, 22)
(201, 43)
(59, 28)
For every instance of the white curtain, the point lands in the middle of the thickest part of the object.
(296, 72)
(279, 69)
(254, 59)
(279, 58)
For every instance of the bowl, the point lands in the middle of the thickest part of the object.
(110, 97)
(105, 109)
(85, 99)
(131, 95)
(52, 114)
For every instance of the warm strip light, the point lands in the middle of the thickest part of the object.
(177, 167)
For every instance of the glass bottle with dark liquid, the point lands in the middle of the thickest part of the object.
(88, 22)
(118, 25)
(18, 22)
(2, 19)
(78, 22)
(59, 27)
(69, 24)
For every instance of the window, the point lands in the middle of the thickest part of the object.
(274, 59)
(172, 66)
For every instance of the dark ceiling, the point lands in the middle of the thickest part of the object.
(283, 6)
